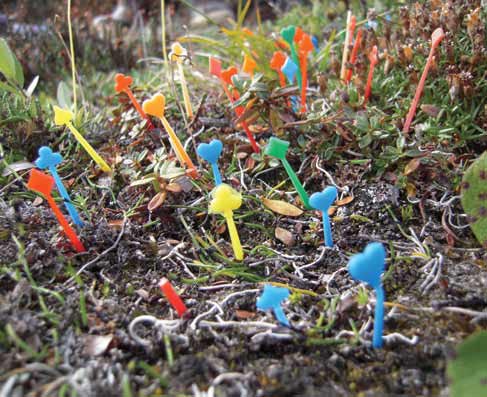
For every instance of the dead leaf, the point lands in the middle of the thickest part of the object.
(244, 314)
(411, 190)
(284, 236)
(242, 155)
(344, 201)
(174, 187)
(96, 345)
(37, 201)
(332, 210)
(156, 201)
(116, 223)
(431, 110)
(17, 166)
(281, 207)
(412, 166)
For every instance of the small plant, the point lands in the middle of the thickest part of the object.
(474, 197)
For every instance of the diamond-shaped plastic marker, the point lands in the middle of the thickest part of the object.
(271, 299)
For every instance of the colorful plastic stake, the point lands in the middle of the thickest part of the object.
(64, 117)
(156, 107)
(316, 43)
(272, 299)
(305, 46)
(351, 21)
(368, 267)
(436, 38)
(48, 159)
(353, 55)
(211, 152)
(43, 184)
(178, 54)
(277, 62)
(122, 84)
(290, 70)
(278, 148)
(322, 201)
(173, 297)
(225, 200)
(248, 65)
(374, 60)
(288, 36)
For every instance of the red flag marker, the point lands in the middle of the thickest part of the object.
(173, 297)
(373, 59)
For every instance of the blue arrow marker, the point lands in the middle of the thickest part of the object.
(211, 152)
(322, 201)
(271, 299)
(48, 159)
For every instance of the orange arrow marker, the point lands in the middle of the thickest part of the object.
(373, 59)
(43, 184)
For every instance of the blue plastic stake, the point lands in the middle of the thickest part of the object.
(271, 299)
(290, 70)
(211, 152)
(322, 201)
(368, 267)
(48, 159)
(316, 44)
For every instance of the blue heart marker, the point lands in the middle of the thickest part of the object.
(290, 69)
(368, 267)
(211, 152)
(48, 159)
(322, 201)
(271, 299)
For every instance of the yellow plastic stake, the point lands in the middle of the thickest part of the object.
(178, 54)
(225, 201)
(64, 117)
(155, 107)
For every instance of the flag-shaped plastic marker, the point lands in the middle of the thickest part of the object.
(178, 54)
(122, 84)
(64, 117)
(277, 62)
(373, 60)
(248, 65)
(173, 297)
(322, 201)
(156, 106)
(211, 152)
(353, 55)
(288, 36)
(224, 201)
(272, 299)
(305, 46)
(278, 148)
(436, 38)
(43, 184)
(368, 267)
(49, 160)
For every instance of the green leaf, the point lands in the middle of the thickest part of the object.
(19, 73)
(468, 372)
(7, 62)
(64, 95)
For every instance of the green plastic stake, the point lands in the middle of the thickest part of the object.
(288, 36)
(278, 148)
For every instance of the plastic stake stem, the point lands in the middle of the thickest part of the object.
(353, 55)
(373, 61)
(172, 296)
(296, 183)
(139, 109)
(184, 88)
(378, 317)
(64, 194)
(234, 238)
(348, 39)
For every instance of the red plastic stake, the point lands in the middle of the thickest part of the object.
(353, 55)
(122, 84)
(43, 184)
(173, 297)
(373, 59)
(436, 38)
(305, 46)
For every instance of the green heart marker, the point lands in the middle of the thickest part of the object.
(288, 36)
(278, 148)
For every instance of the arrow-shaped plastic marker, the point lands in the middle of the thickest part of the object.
(436, 38)
(373, 60)
(178, 54)
(48, 159)
(156, 106)
(305, 46)
(368, 267)
(225, 200)
(288, 36)
(173, 297)
(64, 117)
(211, 152)
(353, 55)
(43, 184)
(272, 299)
(322, 201)
(122, 84)
(278, 148)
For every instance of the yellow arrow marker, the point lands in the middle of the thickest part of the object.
(225, 201)
(177, 54)
(64, 117)
(155, 107)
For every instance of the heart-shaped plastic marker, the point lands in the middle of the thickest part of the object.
(122, 82)
(288, 34)
(155, 106)
(62, 116)
(322, 201)
(368, 266)
(228, 73)
(211, 152)
(271, 299)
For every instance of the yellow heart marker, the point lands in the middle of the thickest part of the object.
(178, 54)
(64, 117)
(155, 107)
(225, 200)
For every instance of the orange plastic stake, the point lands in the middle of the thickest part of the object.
(173, 297)
(436, 38)
(353, 55)
(248, 65)
(351, 21)
(276, 63)
(156, 107)
(298, 35)
(216, 70)
(305, 46)
(373, 59)
(122, 84)
(43, 184)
